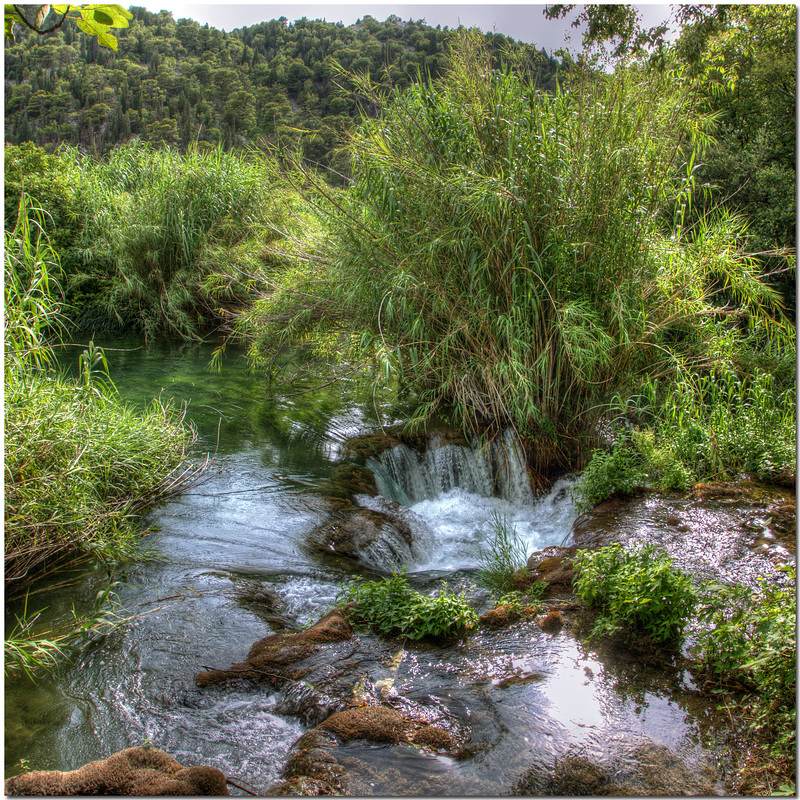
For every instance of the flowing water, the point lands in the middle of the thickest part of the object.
(527, 697)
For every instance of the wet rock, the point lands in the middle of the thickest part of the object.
(373, 444)
(276, 659)
(355, 531)
(640, 770)
(350, 479)
(555, 568)
(500, 617)
(140, 771)
(313, 766)
(433, 737)
(373, 723)
(552, 622)
(265, 603)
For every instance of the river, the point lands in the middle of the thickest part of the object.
(240, 532)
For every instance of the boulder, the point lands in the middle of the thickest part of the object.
(139, 771)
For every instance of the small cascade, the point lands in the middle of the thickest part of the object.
(388, 550)
(496, 470)
(451, 498)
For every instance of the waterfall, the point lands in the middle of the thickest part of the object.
(495, 470)
(451, 497)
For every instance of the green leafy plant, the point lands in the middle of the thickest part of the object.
(615, 471)
(94, 20)
(750, 637)
(636, 591)
(392, 607)
(501, 557)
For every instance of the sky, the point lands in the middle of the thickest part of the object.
(522, 21)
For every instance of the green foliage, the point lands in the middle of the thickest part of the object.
(395, 609)
(94, 20)
(636, 591)
(502, 249)
(750, 637)
(80, 467)
(713, 427)
(501, 556)
(177, 82)
(156, 225)
(615, 471)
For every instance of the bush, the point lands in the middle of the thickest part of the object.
(636, 591)
(618, 471)
(750, 637)
(503, 252)
(159, 225)
(393, 608)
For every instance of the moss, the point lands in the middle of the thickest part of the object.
(136, 771)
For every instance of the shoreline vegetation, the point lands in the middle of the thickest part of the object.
(561, 258)
(81, 468)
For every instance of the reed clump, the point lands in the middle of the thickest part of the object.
(515, 258)
(80, 467)
(156, 225)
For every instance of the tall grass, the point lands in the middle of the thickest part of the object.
(514, 257)
(157, 224)
(80, 467)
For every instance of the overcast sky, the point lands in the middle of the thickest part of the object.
(522, 21)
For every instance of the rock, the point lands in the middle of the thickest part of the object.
(374, 723)
(313, 767)
(552, 622)
(273, 660)
(643, 770)
(352, 532)
(350, 479)
(500, 617)
(555, 568)
(140, 771)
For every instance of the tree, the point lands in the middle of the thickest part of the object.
(96, 20)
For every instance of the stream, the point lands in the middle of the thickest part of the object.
(528, 698)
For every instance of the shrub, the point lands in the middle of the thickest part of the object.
(750, 637)
(636, 591)
(159, 225)
(615, 471)
(393, 608)
(502, 556)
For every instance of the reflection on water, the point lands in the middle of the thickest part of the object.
(232, 568)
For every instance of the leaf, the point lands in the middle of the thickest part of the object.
(103, 18)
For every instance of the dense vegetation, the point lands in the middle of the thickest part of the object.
(173, 83)
(80, 467)
(601, 262)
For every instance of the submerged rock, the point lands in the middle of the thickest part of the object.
(276, 659)
(313, 767)
(642, 770)
(139, 771)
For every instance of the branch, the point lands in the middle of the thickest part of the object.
(37, 30)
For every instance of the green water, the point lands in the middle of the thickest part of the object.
(242, 531)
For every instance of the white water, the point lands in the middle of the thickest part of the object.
(455, 495)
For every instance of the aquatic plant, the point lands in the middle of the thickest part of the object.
(392, 607)
(636, 591)
(501, 556)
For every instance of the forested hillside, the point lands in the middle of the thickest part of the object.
(178, 82)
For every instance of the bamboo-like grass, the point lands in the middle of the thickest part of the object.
(80, 467)
(516, 258)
